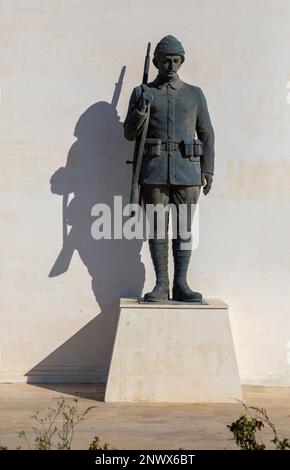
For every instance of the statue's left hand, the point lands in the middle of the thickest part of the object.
(206, 181)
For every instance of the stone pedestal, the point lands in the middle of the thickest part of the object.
(173, 352)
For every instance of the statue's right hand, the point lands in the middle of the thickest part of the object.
(145, 99)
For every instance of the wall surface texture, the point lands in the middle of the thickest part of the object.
(60, 61)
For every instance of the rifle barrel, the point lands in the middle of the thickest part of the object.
(147, 64)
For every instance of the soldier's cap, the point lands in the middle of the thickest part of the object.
(169, 45)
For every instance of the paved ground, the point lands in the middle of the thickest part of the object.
(137, 426)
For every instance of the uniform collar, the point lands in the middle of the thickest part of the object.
(175, 85)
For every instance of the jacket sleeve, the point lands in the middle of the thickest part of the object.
(205, 133)
(135, 119)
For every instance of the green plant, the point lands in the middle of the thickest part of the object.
(56, 429)
(95, 444)
(246, 429)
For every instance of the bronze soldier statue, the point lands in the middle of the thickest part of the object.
(173, 168)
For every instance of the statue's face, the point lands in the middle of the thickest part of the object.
(168, 66)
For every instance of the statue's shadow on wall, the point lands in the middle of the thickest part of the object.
(95, 172)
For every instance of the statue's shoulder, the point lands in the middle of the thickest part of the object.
(192, 88)
(137, 91)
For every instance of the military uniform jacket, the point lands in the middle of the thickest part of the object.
(178, 114)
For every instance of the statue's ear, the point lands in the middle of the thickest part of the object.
(155, 62)
(182, 59)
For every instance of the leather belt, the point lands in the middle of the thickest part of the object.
(170, 146)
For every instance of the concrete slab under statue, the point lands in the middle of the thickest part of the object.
(175, 352)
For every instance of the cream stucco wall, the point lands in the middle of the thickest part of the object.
(59, 62)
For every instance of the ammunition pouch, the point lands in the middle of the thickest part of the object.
(152, 147)
(192, 149)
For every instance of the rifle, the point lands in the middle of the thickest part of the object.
(140, 141)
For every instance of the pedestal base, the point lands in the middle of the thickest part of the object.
(173, 353)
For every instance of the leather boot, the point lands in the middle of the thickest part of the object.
(159, 255)
(181, 290)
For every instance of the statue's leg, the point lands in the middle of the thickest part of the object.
(188, 197)
(158, 243)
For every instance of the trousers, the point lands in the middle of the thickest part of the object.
(182, 201)
(181, 198)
